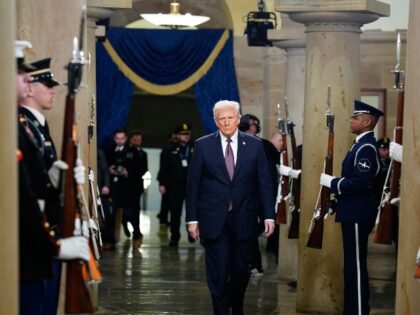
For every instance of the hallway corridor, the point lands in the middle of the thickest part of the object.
(161, 280)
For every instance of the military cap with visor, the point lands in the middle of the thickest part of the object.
(42, 73)
(183, 129)
(361, 108)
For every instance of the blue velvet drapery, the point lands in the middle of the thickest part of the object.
(161, 58)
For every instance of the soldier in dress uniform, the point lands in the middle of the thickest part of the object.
(357, 205)
(175, 161)
(38, 243)
(40, 98)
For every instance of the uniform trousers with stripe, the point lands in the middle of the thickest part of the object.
(356, 282)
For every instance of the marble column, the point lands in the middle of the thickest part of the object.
(8, 166)
(408, 289)
(332, 59)
(295, 80)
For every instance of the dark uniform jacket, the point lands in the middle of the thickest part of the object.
(37, 246)
(356, 200)
(175, 161)
(49, 155)
(135, 162)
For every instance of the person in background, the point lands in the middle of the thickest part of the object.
(173, 178)
(227, 191)
(250, 124)
(135, 165)
(164, 203)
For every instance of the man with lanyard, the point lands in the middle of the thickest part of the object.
(173, 179)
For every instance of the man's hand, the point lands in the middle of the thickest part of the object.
(105, 191)
(74, 247)
(326, 180)
(79, 173)
(268, 227)
(395, 151)
(54, 172)
(288, 171)
(162, 189)
(193, 230)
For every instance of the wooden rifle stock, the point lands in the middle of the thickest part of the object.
(383, 233)
(317, 232)
(281, 215)
(295, 214)
(77, 296)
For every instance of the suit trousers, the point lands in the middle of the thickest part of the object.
(356, 282)
(228, 269)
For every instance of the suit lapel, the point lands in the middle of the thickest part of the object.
(240, 154)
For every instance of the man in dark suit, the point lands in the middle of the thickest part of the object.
(228, 184)
(357, 205)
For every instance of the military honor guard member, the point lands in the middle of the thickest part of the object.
(357, 205)
(38, 243)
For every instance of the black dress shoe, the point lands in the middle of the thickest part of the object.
(292, 284)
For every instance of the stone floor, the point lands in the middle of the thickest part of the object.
(162, 280)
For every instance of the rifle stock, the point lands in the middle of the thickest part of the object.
(281, 215)
(295, 204)
(383, 233)
(77, 295)
(317, 232)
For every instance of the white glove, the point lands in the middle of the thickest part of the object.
(54, 172)
(418, 258)
(79, 172)
(326, 180)
(74, 247)
(395, 201)
(288, 171)
(395, 151)
(91, 176)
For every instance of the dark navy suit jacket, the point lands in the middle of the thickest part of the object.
(210, 190)
(354, 191)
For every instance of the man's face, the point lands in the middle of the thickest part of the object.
(42, 95)
(227, 120)
(252, 127)
(183, 138)
(383, 153)
(136, 140)
(22, 85)
(120, 138)
(277, 141)
(359, 124)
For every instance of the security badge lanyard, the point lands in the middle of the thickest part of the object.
(184, 158)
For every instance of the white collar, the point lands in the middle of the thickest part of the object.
(362, 135)
(38, 115)
(234, 137)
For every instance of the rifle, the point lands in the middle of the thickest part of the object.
(282, 191)
(77, 296)
(316, 228)
(383, 224)
(294, 185)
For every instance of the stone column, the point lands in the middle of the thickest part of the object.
(8, 167)
(295, 80)
(332, 58)
(408, 289)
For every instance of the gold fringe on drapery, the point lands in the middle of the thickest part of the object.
(171, 88)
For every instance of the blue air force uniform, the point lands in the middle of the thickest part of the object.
(356, 210)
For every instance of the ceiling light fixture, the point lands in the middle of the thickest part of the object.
(175, 19)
